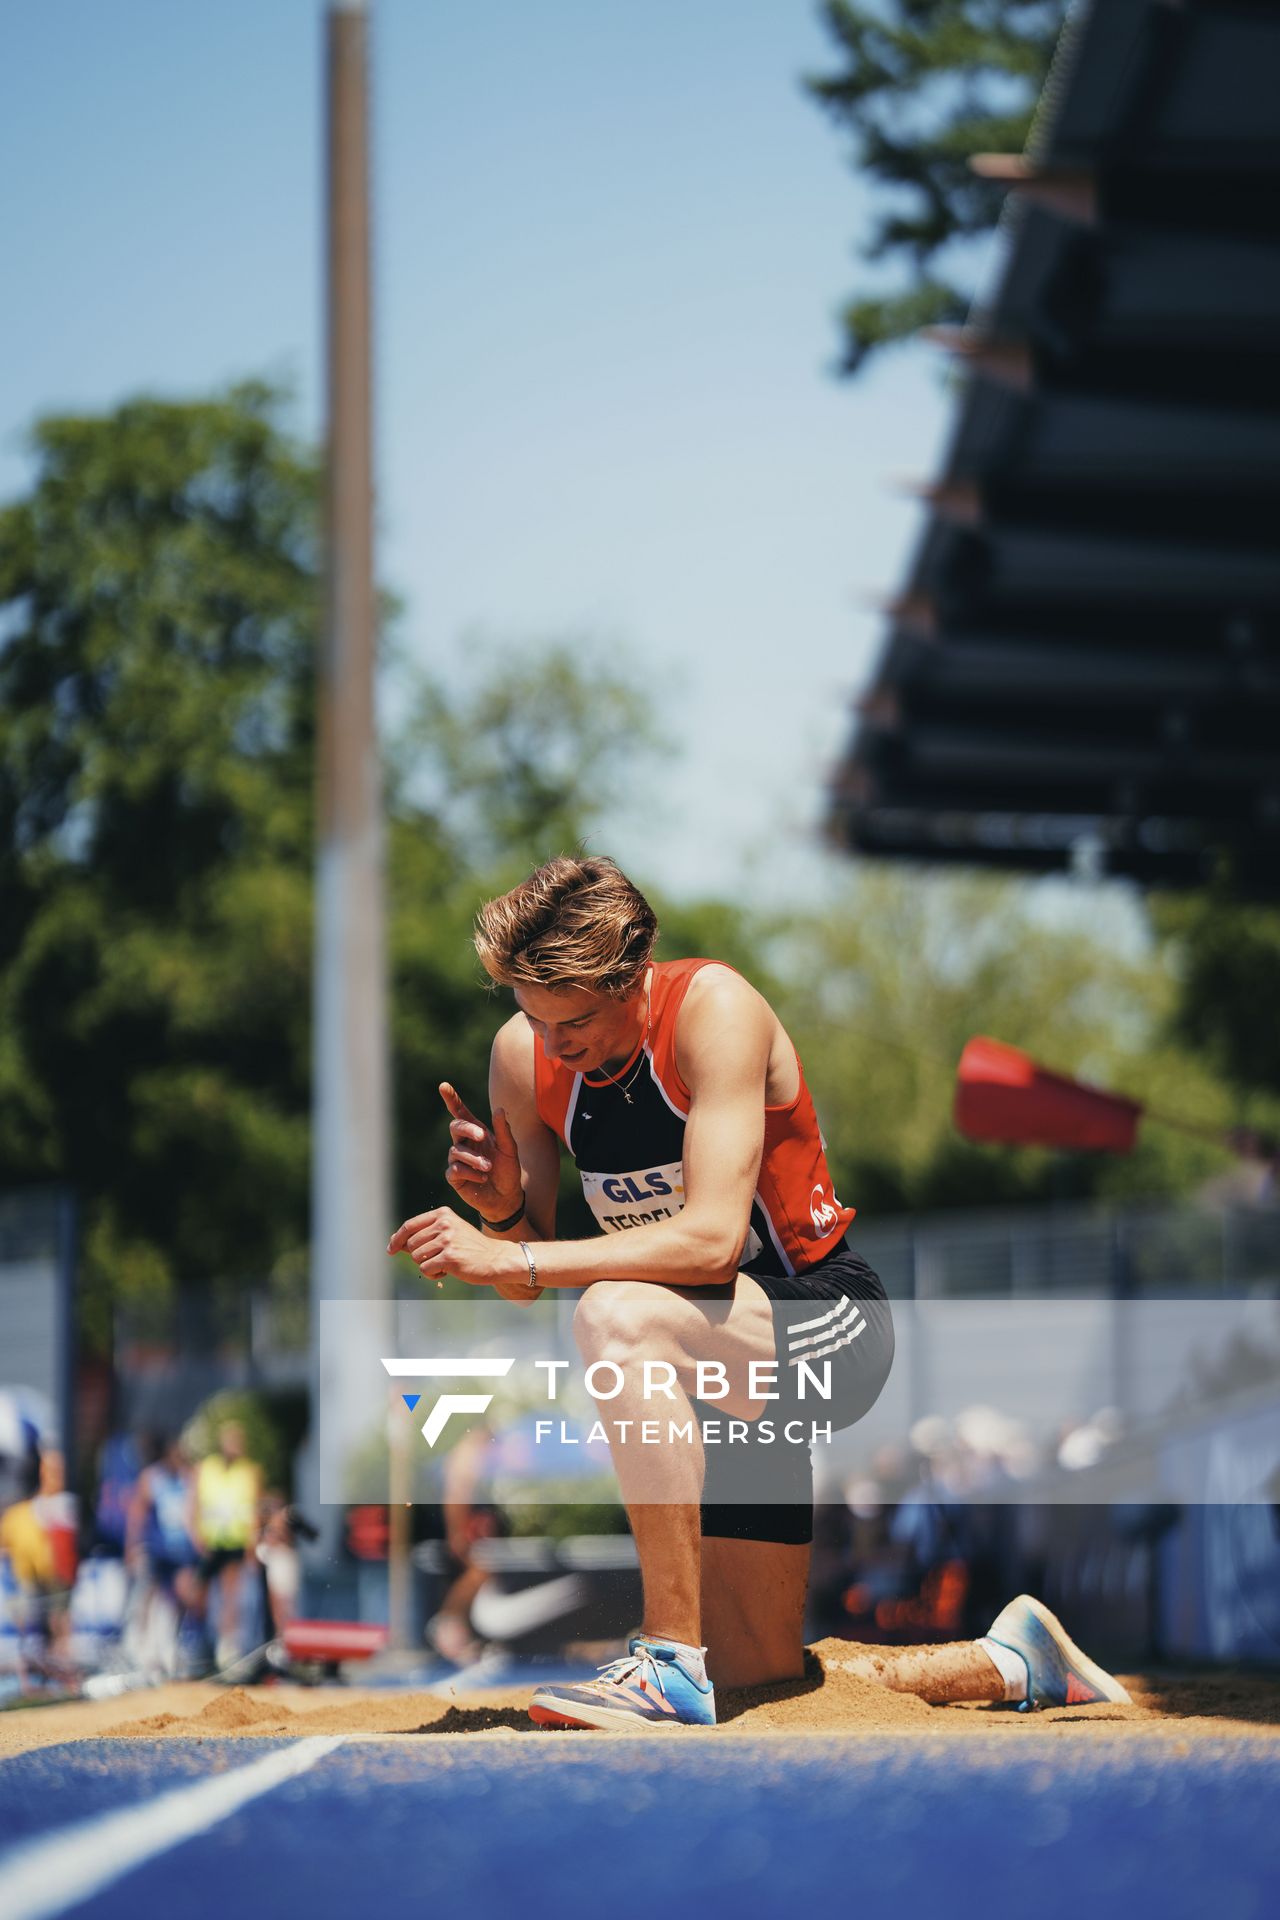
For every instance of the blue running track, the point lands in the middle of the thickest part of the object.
(658, 1828)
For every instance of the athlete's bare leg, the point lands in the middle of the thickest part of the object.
(666, 1540)
(629, 1322)
(753, 1596)
(958, 1670)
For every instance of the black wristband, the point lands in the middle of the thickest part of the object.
(502, 1226)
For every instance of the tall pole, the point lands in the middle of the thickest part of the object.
(350, 1153)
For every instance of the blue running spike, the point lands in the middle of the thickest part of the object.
(411, 1400)
(655, 1684)
(1058, 1673)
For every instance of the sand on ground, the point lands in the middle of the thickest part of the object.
(1185, 1707)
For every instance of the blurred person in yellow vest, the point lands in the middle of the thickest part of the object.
(28, 1546)
(40, 1545)
(228, 1488)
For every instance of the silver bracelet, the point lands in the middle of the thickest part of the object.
(533, 1269)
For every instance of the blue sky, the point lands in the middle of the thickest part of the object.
(610, 245)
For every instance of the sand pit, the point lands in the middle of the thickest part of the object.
(1186, 1707)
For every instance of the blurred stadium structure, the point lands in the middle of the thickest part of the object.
(37, 1277)
(1082, 664)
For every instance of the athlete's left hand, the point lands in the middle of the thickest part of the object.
(441, 1244)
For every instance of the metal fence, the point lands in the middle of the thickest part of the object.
(172, 1354)
(1080, 1252)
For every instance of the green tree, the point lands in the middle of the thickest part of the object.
(921, 86)
(1225, 955)
(881, 993)
(525, 755)
(158, 627)
(159, 620)
(488, 779)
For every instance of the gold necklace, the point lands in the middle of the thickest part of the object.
(613, 1079)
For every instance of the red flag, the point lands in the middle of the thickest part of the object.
(1001, 1094)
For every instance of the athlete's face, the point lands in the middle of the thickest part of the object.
(587, 1031)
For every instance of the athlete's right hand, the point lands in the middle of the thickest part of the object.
(484, 1163)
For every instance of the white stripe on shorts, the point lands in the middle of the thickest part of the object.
(820, 1353)
(844, 1316)
(803, 1326)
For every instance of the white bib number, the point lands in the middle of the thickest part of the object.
(622, 1200)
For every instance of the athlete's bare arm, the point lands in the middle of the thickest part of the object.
(723, 1040)
(511, 1092)
(517, 1161)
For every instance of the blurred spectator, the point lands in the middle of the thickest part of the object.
(467, 1518)
(924, 1547)
(19, 1452)
(161, 1551)
(121, 1458)
(228, 1490)
(56, 1510)
(277, 1555)
(1083, 1443)
(1254, 1181)
(37, 1535)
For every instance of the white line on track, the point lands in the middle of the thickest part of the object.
(53, 1873)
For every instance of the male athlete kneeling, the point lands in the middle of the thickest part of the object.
(676, 1090)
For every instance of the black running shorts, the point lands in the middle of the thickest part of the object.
(852, 1323)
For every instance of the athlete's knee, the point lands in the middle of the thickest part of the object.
(616, 1318)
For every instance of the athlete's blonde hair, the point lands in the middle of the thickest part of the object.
(572, 923)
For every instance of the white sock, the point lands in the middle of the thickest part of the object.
(690, 1657)
(1011, 1665)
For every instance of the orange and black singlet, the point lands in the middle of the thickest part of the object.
(630, 1154)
